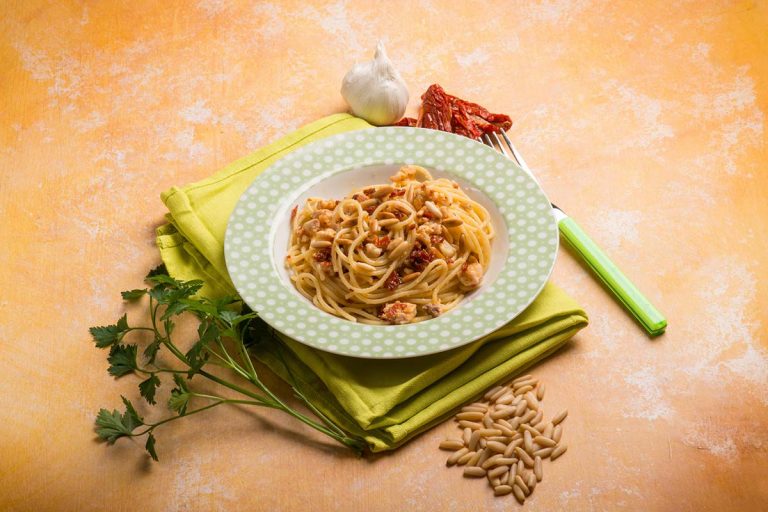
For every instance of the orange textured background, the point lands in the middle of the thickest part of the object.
(644, 120)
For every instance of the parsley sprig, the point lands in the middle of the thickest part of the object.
(221, 340)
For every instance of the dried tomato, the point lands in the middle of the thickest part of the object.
(420, 257)
(323, 254)
(397, 192)
(393, 281)
(381, 242)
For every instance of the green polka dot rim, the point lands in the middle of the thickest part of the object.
(523, 212)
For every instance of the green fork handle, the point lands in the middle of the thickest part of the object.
(635, 302)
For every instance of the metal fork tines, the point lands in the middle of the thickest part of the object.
(508, 149)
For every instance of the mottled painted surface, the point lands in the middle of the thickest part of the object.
(646, 121)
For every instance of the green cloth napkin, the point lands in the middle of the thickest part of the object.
(385, 401)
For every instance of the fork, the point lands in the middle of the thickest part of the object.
(607, 271)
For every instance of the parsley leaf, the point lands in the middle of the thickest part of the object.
(107, 335)
(179, 396)
(133, 294)
(150, 446)
(110, 426)
(148, 387)
(122, 360)
(158, 270)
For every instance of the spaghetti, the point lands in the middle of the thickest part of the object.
(391, 253)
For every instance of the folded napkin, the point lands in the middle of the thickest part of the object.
(386, 402)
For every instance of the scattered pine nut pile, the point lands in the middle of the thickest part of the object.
(505, 438)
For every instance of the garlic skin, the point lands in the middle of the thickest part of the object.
(375, 91)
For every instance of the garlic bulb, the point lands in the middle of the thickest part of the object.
(375, 90)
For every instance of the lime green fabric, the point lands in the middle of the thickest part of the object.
(385, 401)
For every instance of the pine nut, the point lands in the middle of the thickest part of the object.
(363, 268)
(490, 462)
(533, 431)
(472, 408)
(527, 382)
(475, 458)
(505, 423)
(498, 471)
(544, 452)
(528, 416)
(498, 393)
(401, 250)
(548, 429)
(519, 482)
(453, 459)
(540, 391)
(530, 481)
(521, 407)
(487, 421)
(471, 424)
(560, 417)
(466, 436)
(484, 455)
(383, 190)
(523, 390)
(474, 439)
(474, 472)
(537, 418)
(319, 244)
(532, 402)
(545, 441)
(519, 494)
(471, 416)
(557, 433)
(453, 222)
(410, 277)
(489, 432)
(502, 490)
(495, 482)
(433, 209)
(523, 456)
(561, 448)
(492, 392)
(511, 447)
(391, 246)
(496, 446)
(451, 444)
(504, 430)
(537, 469)
(388, 222)
(465, 458)
(505, 399)
(521, 378)
(503, 412)
(528, 441)
(505, 461)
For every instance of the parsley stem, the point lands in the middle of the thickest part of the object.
(220, 401)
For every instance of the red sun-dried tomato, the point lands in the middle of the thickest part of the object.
(393, 281)
(381, 242)
(323, 254)
(420, 257)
